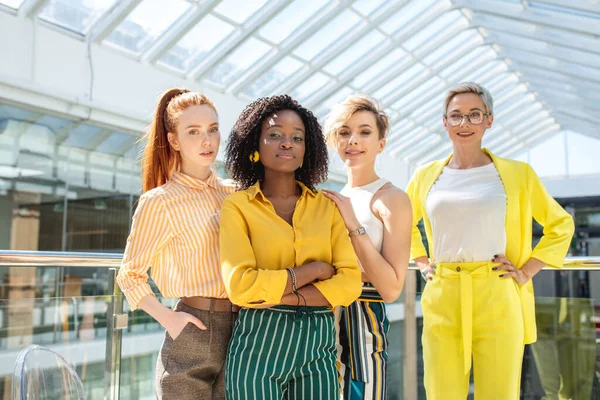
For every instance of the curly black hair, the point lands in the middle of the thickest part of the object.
(245, 136)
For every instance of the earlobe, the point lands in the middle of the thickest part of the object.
(172, 139)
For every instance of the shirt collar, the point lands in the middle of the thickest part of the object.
(195, 183)
(254, 190)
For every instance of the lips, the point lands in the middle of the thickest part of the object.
(207, 153)
(353, 153)
(286, 156)
(465, 134)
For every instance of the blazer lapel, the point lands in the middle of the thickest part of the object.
(513, 207)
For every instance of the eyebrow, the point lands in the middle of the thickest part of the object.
(472, 109)
(360, 126)
(200, 126)
(281, 126)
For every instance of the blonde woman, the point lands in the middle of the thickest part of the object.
(477, 208)
(378, 218)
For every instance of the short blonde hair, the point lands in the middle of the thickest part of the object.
(470, 87)
(341, 113)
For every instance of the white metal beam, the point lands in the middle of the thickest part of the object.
(98, 139)
(226, 47)
(172, 35)
(526, 29)
(569, 86)
(323, 16)
(398, 39)
(590, 6)
(347, 76)
(518, 12)
(536, 47)
(581, 127)
(30, 8)
(110, 20)
(560, 67)
(63, 133)
(533, 71)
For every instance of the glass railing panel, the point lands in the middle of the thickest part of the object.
(74, 327)
(563, 364)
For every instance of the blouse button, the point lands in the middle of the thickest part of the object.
(457, 269)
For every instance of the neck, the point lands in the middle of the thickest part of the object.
(196, 171)
(363, 175)
(279, 184)
(465, 157)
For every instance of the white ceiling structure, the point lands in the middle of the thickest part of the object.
(540, 59)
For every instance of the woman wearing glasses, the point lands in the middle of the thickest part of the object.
(478, 304)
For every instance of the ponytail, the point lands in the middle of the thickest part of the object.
(160, 160)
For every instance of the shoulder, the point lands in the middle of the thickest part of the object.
(237, 199)
(157, 195)
(391, 199)
(514, 164)
(228, 185)
(320, 199)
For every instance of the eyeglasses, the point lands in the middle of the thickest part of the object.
(474, 117)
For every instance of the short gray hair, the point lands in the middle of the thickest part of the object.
(470, 87)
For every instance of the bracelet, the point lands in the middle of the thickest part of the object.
(293, 276)
(423, 273)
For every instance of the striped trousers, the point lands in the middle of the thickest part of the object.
(362, 350)
(282, 352)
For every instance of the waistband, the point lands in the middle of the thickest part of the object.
(370, 294)
(294, 310)
(210, 304)
(475, 269)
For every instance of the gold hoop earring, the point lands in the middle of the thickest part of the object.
(301, 163)
(254, 157)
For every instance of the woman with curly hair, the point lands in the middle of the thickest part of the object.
(285, 257)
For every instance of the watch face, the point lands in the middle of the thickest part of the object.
(360, 231)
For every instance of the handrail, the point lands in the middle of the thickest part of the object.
(19, 258)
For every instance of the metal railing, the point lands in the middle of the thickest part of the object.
(116, 320)
(15, 258)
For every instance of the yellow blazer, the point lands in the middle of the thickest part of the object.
(526, 199)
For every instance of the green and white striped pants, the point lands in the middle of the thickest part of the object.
(283, 352)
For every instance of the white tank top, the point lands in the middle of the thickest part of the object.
(467, 212)
(361, 197)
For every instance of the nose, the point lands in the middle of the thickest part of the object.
(286, 143)
(205, 139)
(463, 119)
(353, 139)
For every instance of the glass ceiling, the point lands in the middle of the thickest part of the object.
(540, 59)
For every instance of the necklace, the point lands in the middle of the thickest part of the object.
(284, 213)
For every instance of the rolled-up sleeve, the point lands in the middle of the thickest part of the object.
(345, 286)
(246, 284)
(558, 224)
(149, 233)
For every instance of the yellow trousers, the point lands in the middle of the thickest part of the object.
(471, 314)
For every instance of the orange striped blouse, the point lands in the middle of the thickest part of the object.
(175, 234)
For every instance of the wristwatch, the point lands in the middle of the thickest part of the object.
(359, 231)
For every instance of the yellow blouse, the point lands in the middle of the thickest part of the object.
(257, 246)
(175, 234)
